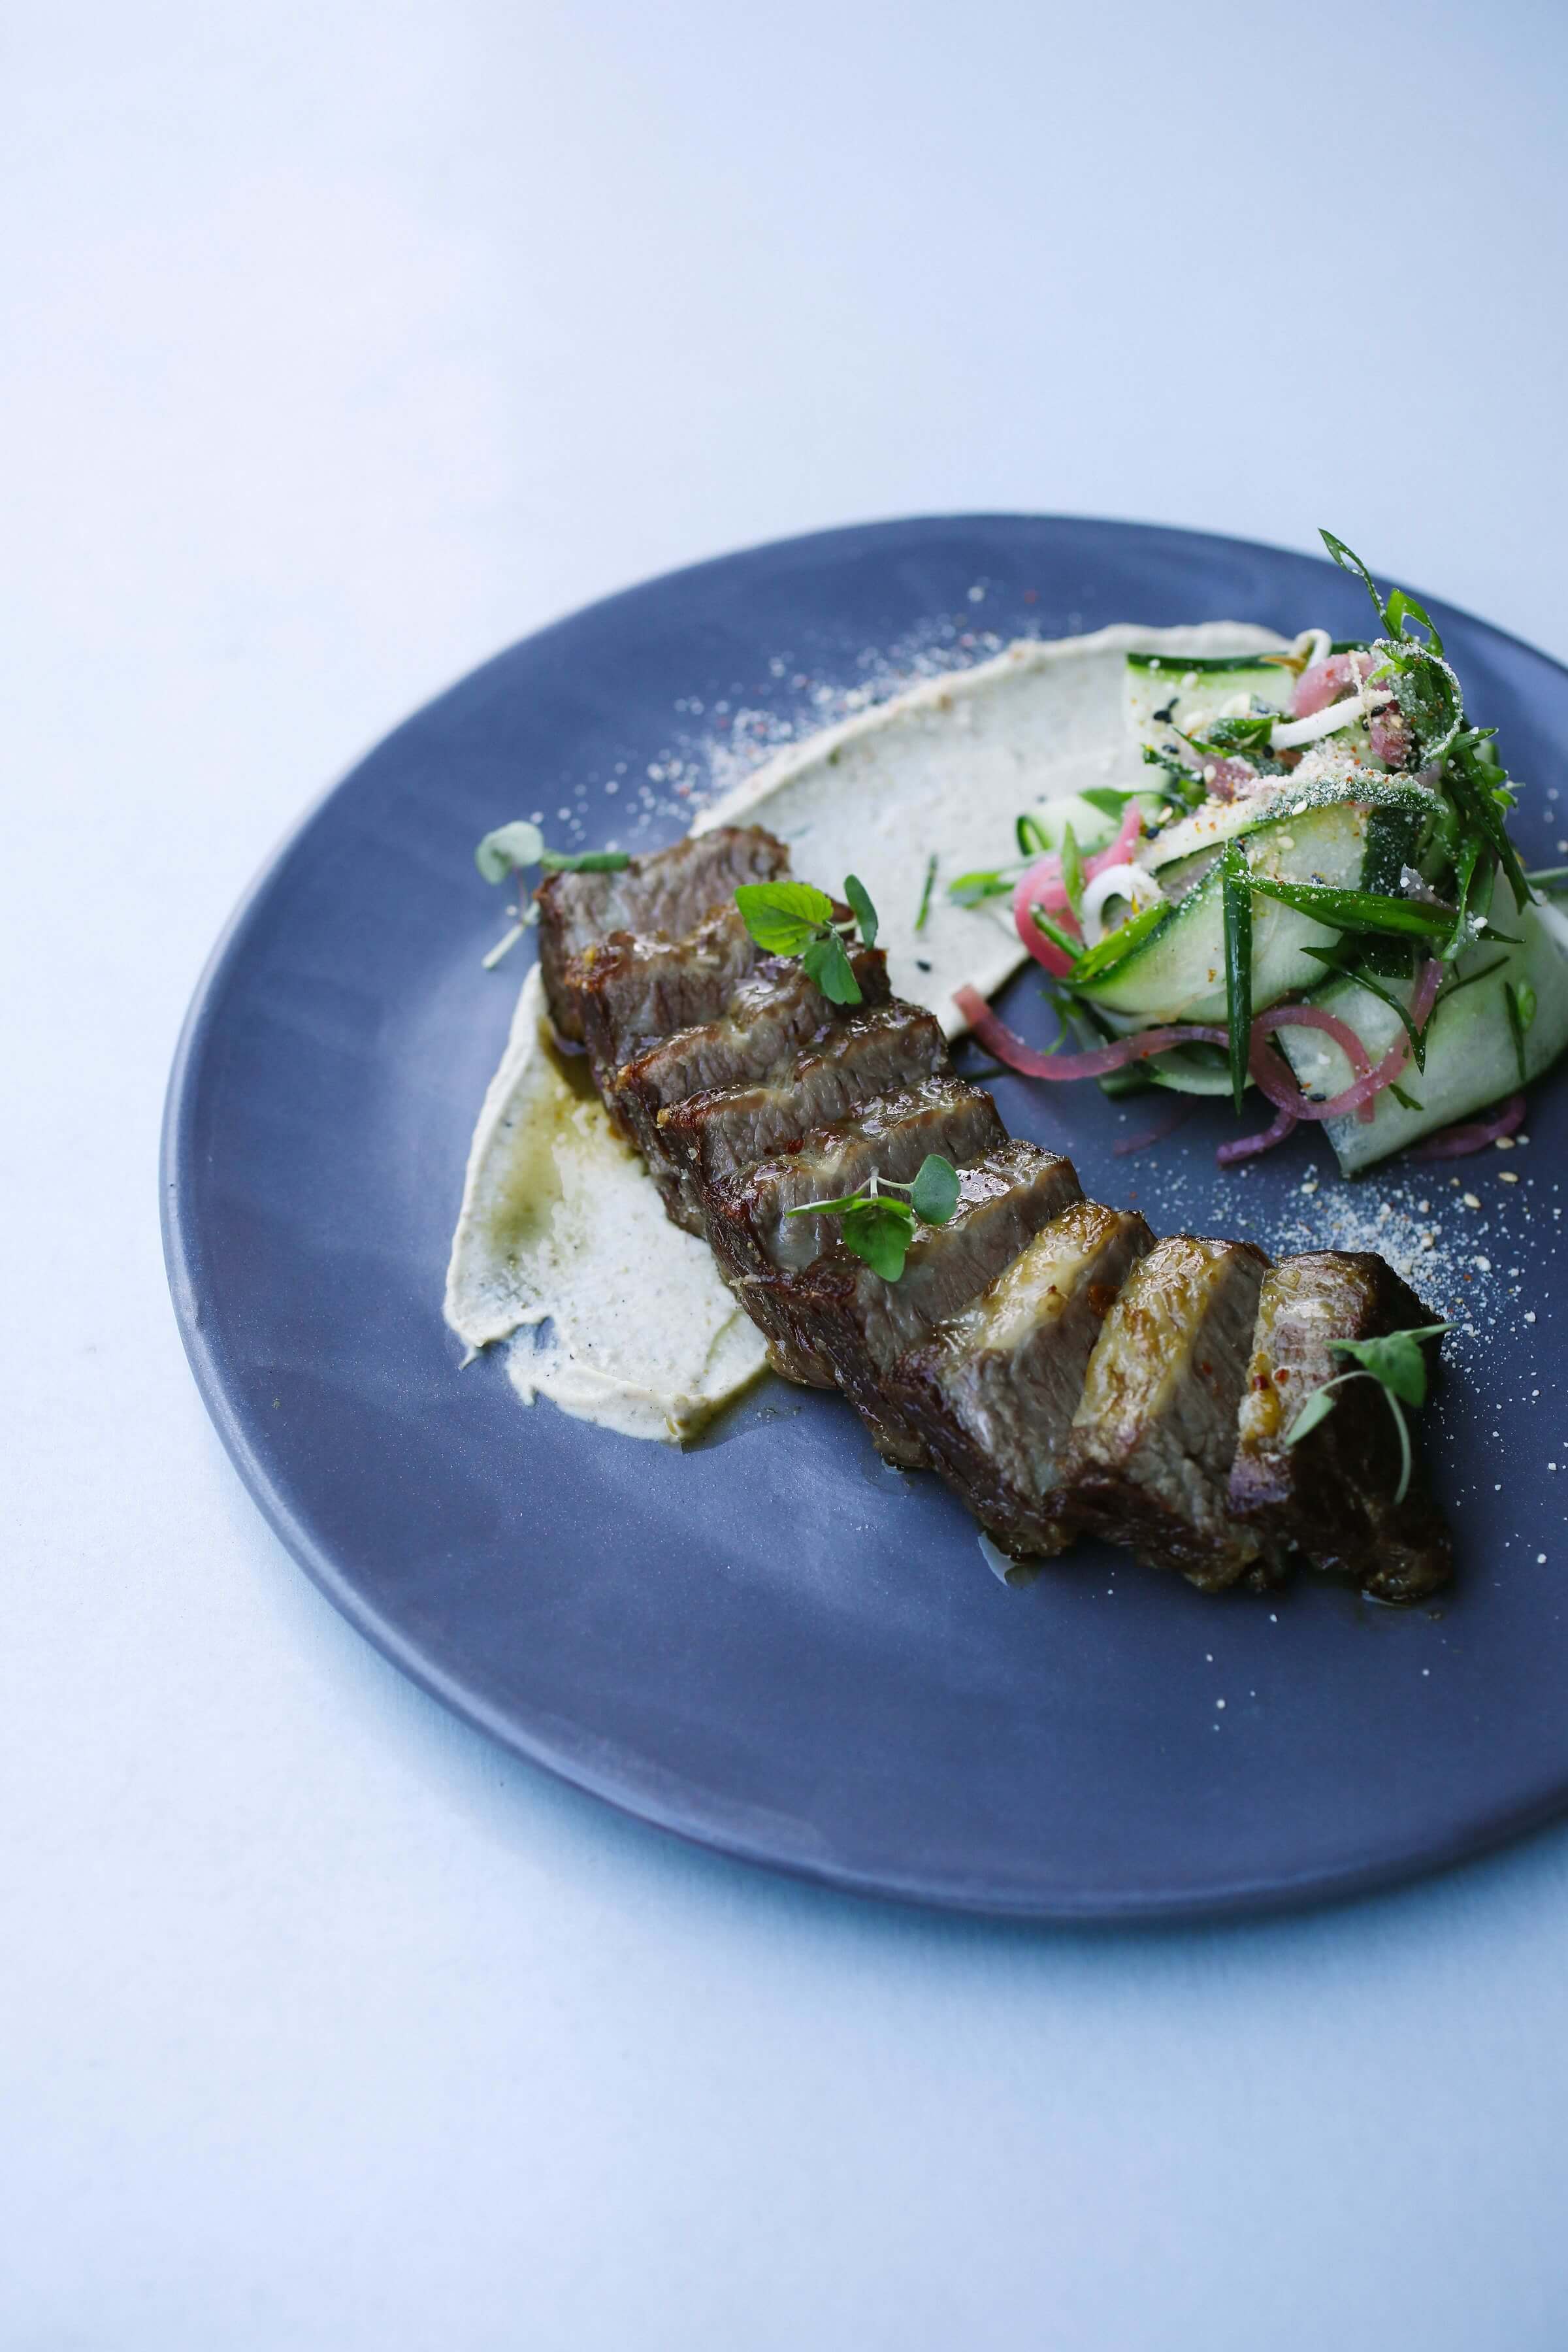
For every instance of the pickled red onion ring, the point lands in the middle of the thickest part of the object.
(1247, 1147)
(1359, 1096)
(1458, 1142)
(1007, 1046)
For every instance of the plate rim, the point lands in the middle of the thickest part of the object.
(642, 1802)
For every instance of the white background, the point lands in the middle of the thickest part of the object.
(346, 344)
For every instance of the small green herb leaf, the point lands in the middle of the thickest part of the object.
(865, 913)
(1395, 1360)
(783, 916)
(1316, 1409)
(823, 961)
(843, 1204)
(933, 1196)
(507, 848)
(879, 1233)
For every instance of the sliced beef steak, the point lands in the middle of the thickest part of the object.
(1331, 1496)
(772, 1014)
(665, 894)
(994, 1389)
(628, 992)
(1148, 1459)
(747, 1217)
(839, 1310)
(875, 1052)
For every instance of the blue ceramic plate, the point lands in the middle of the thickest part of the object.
(771, 1643)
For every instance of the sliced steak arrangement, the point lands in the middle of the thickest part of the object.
(627, 992)
(992, 1392)
(1331, 1496)
(725, 1129)
(1065, 1371)
(774, 1014)
(663, 896)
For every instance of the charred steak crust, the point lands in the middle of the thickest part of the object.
(1331, 1496)
(774, 1014)
(839, 1310)
(994, 1389)
(747, 1219)
(664, 894)
(1148, 1461)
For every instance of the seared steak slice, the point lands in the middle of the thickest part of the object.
(628, 992)
(747, 1217)
(1148, 1459)
(1332, 1495)
(770, 1015)
(665, 893)
(994, 1389)
(723, 1131)
(839, 1310)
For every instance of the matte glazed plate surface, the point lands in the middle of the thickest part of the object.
(771, 1643)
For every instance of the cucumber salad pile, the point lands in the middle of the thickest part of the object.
(1315, 894)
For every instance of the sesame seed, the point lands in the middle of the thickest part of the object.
(1507, 1176)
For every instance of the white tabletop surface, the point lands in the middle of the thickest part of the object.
(347, 344)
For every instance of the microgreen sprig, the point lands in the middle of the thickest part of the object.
(512, 849)
(795, 919)
(879, 1230)
(1399, 1366)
